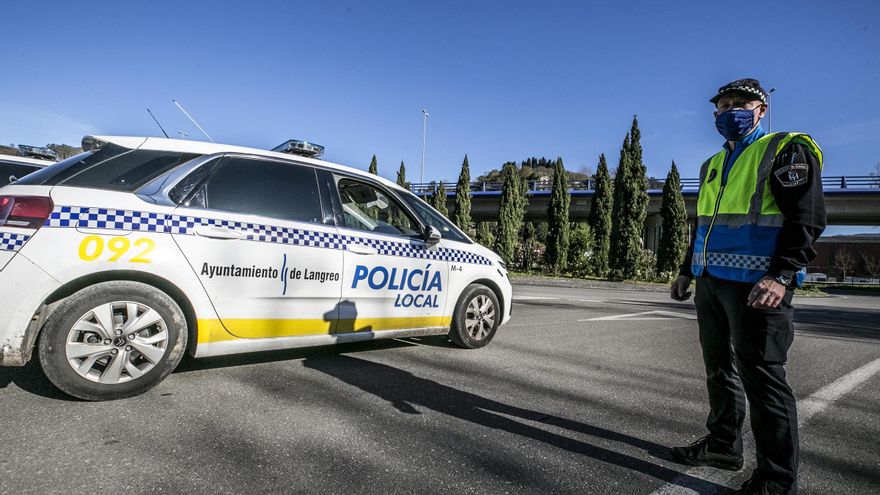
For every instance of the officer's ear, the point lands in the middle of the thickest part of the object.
(762, 111)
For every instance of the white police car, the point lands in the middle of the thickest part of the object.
(13, 167)
(115, 262)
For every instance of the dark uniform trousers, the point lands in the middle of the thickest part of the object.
(744, 350)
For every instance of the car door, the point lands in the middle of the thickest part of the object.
(392, 279)
(254, 231)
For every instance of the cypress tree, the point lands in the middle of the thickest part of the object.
(528, 245)
(557, 219)
(639, 204)
(510, 214)
(635, 142)
(374, 166)
(462, 214)
(673, 233)
(401, 176)
(399, 218)
(629, 209)
(439, 200)
(484, 234)
(600, 219)
(617, 245)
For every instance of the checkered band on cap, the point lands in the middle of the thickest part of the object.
(103, 218)
(748, 89)
(12, 242)
(748, 86)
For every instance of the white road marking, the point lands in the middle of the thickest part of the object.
(807, 408)
(645, 315)
(827, 395)
(545, 298)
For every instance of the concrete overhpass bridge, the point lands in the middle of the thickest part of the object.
(850, 200)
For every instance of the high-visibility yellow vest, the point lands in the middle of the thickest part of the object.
(738, 221)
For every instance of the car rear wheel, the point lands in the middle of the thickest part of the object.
(476, 317)
(112, 340)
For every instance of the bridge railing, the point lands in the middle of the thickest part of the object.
(687, 183)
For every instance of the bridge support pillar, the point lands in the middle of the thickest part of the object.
(651, 234)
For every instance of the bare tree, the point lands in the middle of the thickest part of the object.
(843, 261)
(876, 174)
(871, 264)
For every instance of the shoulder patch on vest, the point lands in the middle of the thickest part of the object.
(793, 175)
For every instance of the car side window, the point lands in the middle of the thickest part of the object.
(366, 207)
(261, 187)
(433, 218)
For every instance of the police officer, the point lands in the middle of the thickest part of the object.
(759, 212)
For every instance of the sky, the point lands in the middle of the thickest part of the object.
(502, 81)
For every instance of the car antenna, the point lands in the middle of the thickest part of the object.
(193, 120)
(157, 122)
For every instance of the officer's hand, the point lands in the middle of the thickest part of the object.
(679, 289)
(766, 294)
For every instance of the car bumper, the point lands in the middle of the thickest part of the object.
(25, 286)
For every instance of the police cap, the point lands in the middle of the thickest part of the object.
(750, 87)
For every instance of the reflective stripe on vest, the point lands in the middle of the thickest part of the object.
(738, 222)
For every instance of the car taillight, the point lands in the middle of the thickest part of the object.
(27, 212)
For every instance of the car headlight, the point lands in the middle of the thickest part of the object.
(502, 265)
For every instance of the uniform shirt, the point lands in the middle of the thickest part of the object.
(800, 199)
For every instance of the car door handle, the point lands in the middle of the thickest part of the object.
(218, 233)
(361, 249)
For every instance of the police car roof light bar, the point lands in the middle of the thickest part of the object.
(300, 148)
(91, 143)
(38, 151)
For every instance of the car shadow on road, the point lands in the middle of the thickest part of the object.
(30, 378)
(407, 393)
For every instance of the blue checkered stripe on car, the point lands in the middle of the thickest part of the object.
(746, 261)
(103, 218)
(186, 225)
(407, 250)
(12, 242)
(106, 218)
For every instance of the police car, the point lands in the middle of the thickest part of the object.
(13, 165)
(117, 261)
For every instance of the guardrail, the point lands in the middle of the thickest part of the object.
(687, 183)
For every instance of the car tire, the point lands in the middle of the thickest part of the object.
(476, 317)
(112, 340)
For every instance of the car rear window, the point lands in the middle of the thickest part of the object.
(12, 171)
(262, 187)
(62, 170)
(111, 167)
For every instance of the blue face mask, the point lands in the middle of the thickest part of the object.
(735, 124)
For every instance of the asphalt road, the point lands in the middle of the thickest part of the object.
(572, 396)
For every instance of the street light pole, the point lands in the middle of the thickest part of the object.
(424, 143)
(769, 110)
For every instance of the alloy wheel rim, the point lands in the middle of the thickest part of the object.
(116, 342)
(479, 317)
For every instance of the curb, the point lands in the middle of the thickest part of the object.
(576, 283)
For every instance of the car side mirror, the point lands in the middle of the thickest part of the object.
(431, 235)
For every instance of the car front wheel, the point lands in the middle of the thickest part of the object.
(476, 317)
